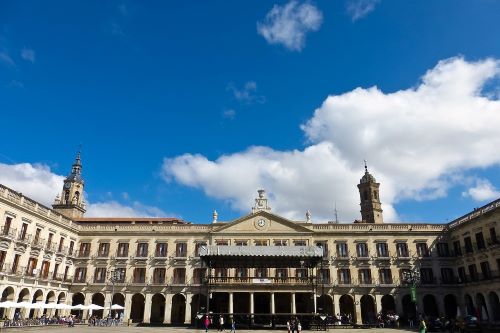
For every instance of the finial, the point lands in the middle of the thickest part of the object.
(215, 216)
(308, 216)
(366, 167)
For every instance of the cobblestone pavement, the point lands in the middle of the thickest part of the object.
(132, 329)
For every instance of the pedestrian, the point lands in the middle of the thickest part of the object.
(299, 327)
(422, 328)
(207, 323)
(221, 323)
(233, 327)
(288, 325)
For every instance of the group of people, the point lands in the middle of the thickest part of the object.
(115, 320)
(208, 321)
(44, 319)
(294, 325)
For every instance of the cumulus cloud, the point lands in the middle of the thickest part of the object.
(28, 54)
(418, 141)
(482, 191)
(360, 8)
(247, 94)
(38, 182)
(289, 24)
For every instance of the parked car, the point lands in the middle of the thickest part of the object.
(467, 324)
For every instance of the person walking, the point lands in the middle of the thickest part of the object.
(422, 328)
(288, 325)
(207, 323)
(233, 327)
(221, 323)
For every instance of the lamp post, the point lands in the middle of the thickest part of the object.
(412, 278)
(114, 276)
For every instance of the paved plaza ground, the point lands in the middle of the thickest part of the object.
(132, 329)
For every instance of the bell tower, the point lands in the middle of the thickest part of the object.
(371, 208)
(71, 203)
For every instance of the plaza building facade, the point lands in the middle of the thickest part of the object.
(261, 266)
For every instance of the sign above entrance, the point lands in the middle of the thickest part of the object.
(261, 281)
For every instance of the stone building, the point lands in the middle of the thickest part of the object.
(258, 268)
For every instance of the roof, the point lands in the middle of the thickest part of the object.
(129, 220)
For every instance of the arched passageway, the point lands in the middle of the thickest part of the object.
(50, 298)
(324, 304)
(450, 306)
(98, 299)
(199, 305)
(494, 305)
(137, 309)
(430, 306)
(367, 309)
(409, 312)
(469, 305)
(388, 304)
(346, 307)
(481, 310)
(304, 302)
(77, 299)
(157, 309)
(219, 302)
(7, 295)
(37, 298)
(61, 299)
(178, 314)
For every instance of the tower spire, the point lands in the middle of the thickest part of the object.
(371, 208)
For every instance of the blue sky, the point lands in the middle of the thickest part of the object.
(141, 84)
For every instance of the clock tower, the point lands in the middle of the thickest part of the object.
(371, 208)
(71, 203)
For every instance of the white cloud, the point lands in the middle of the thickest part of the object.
(482, 191)
(229, 114)
(6, 59)
(247, 94)
(38, 182)
(289, 24)
(360, 8)
(28, 54)
(418, 143)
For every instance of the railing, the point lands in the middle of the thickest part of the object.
(122, 255)
(7, 233)
(341, 256)
(403, 255)
(346, 282)
(366, 282)
(158, 280)
(178, 280)
(387, 282)
(77, 279)
(362, 256)
(140, 255)
(38, 243)
(492, 242)
(51, 247)
(138, 280)
(383, 256)
(432, 281)
(82, 254)
(180, 254)
(259, 280)
(23, 238)
(9, 269)
(103, 254)
(160, 254)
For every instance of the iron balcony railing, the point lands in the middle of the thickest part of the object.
(23, 238)
(38, 243)
(7, 232)
(180, 254)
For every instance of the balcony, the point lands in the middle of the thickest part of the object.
(50, 247)
(178, 280)
(290, 280)
(366, 283)
(82, 254)
(342, 256)
(387, 282)
(428, 281)
(103, 255)
(383, 256)
(140, 256)
(362, 256)
(7, 233)
(99, 279)
(346, 282)
(121, 255)
(23, 238)
(181, 255)
(403, 255)
(37, 243)
(138, 280)
(160, 255)
(9, 269)
(158, 280)
(452, 280)
(79, 280)
(492, 243)
(61, 250)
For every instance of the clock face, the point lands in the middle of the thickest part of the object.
(67, 185)
(261, 223)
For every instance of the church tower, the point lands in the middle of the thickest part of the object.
(71, 203)
(371, 208)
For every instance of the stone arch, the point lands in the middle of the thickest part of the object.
(7, 295)
(346, 306)
(77, 299)
(137, 309)
(469, 305)
(388, 304)
(409, 311)
(198, 304)
(98, 299)
(157, 309)
(494, 305)
(118, 298)
(368, 311)
(481, 309)
(61, 298)
(178, 314)
(49, 298)
(24, 295)
(325, 303)
(430, 306)
(450, 306)
(37, 298)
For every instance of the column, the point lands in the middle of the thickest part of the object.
(315, 300)
(128, 307)
(187, 316)
(147, 308)
(272, 304)
(251, 303)
(336, 304)
(167, 318)
(231, 303)
(294, 308)
(399, 305)
(378, 303)
(357, 309)
(88, 301)
(440, 304)
(107, 303)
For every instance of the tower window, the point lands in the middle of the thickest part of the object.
(365, 194)
(66, 196)
(375, 195)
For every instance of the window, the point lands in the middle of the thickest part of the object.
(6, 227)
(260, 242)
(3, 255)
(261, 272)
(80, 274)
(485, 269)
(365, 276)
(473, 272)
(198, 275)
(61, 245)
(122, 250)
(402, 249)
(385, 276)
(281, 273)
(493, 236)
(362, 250)
(100, 275)
(324, 246)
(426, 275)
(31, 269)
(382, 250)
(342, 250)
(49, 240)
(159, 275)
(197, 247)
(84, 250)
(241, 272)
(142, 250)
(404, 275)
(447, 275)
(103, 250)
(280, 242)
(457, 248)
(422, 250)
(222, 242)
(468, 245)
(344, 276)
(71, 247)
(15, 264)
(461, 275)
(480, 241)
(66, 271)
(443, 250)
(324, 275)
(140, 275)
(301, 273)
(24, 229)
(300, 243)
(179, 276)
(241, 243)
(120, 274)
(54, 274)
(181, 250)
(37, 236)
(161, 250)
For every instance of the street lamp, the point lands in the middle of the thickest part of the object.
(113, 277)
(412, 277)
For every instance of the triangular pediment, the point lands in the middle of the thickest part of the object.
(262, 222)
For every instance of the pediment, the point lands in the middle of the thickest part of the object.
(262, 222)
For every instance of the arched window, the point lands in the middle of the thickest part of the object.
(66, 197)
(375, 195)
